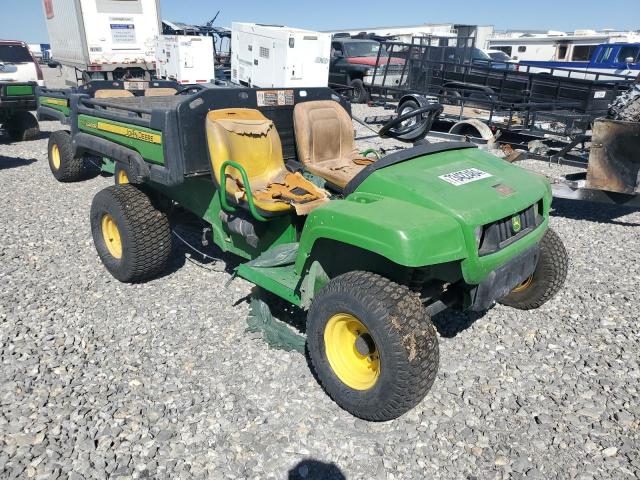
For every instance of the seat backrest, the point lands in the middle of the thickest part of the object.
(248, 138)
(324, 132)
(112, 93)
(159, 92)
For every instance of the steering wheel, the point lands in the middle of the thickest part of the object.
(189, 89)
(412, 131)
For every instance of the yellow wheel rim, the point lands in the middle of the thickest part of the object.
(351, 352)
(111, 236)
(122, 177)
(524, 285)
(55, 156)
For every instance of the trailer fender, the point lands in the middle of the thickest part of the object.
(406, 234)
(473, 128)
(421, 99)
(137, 169)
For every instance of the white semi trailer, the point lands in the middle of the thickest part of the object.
(273, 56)
(103, 39)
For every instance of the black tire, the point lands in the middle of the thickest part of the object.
(547, 279)
(64, 166)
(451, 97)
(22, 126)
(144, 232)
(358, 92)
(402, 334)
(408, 106)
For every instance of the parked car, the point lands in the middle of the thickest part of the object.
(499, 56)
(353, 63)
(17, 64)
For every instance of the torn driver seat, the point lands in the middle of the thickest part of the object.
(249, 139)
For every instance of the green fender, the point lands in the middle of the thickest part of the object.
(405, 233)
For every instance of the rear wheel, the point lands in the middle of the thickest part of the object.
(372, 345)
(22, 126)
(120, 175)
(132, 237)
(63, 164)
(547, 279)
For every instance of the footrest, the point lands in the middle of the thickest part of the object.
(281, 281)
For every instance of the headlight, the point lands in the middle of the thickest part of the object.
(369, 72)
(478, 233)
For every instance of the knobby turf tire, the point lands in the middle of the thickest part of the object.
(404, 335)
(23, 126)
(548, 277)
(145, 233)
(71, 168)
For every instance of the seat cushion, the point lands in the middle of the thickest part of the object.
(325, 141)
(292, 189)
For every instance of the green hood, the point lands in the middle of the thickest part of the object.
(408, 214)
(506, 190)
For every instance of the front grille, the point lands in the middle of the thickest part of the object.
(390, 67)
(498, 235)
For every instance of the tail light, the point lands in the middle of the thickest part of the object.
(39, 71)
(39, 74)
(95, 68)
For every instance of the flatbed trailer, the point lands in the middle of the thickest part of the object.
(608, 157)
(513, 98)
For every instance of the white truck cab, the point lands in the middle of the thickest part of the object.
(17, 64)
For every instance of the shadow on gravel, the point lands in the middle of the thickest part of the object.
(13, 162)
(284, 311)
(311, 469)
(5, 140)
(187, 247)
(592, 212)
(450, 323)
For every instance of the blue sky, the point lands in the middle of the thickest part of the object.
(24, 19)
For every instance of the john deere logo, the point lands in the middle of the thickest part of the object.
(516, 224)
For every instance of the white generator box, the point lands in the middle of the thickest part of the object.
(185, 59)
(268, 56)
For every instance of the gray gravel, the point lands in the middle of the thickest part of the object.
(160, 380)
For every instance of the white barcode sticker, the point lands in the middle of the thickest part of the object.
(600, 94)
(464, 176)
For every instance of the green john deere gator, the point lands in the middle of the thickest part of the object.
(54, 104)
(371, 249)
(16, 101)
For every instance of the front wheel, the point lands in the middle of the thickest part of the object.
(359, 93)
(547, 279)
(372, 345)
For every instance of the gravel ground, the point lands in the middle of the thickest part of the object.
(105, 380)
